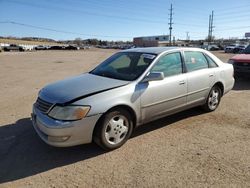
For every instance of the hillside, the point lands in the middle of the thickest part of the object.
(22, 41)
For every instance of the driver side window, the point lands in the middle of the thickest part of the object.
(170, 65)
(121, 62)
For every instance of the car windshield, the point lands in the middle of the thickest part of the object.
(247, 50)
(124, 65)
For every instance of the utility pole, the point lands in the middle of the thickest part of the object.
(170, 24)
(187, 36)
(210, 27)
(212, 24)
(209, 30)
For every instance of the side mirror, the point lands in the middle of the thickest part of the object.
(154, 76)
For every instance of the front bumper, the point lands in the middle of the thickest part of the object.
(63, 133)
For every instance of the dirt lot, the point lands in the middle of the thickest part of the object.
(189, 149)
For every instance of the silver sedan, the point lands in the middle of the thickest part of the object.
(130, 88)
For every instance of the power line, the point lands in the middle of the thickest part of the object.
(87, 12)
(123, 4)
(232, 8)
(146, 5)
(221, 22)
(190, 25)
(220, 10)
(233, 28)
(190, 32)
(119, 9)
(60, 31)
(233, 14)
(222, 18)
(233, 19)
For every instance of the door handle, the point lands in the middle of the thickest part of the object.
(182, 82)
(211, 75)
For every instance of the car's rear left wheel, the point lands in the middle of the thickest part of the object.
(213, 99)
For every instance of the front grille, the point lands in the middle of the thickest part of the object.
(241, 64)
(42, 105)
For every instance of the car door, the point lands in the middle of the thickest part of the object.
(199, 77)
(159, 98)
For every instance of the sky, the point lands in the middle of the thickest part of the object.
(122, 19)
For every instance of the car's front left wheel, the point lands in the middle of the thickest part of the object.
(114, 129)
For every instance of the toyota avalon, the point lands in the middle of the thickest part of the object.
(129, 89)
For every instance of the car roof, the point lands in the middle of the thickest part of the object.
(159, 50)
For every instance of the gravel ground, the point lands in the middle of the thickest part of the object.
(189, 149)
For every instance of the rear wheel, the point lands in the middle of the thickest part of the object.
(213, 99)
(114, 129)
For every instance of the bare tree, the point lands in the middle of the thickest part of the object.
(78, 41)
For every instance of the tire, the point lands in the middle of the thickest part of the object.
(213, 99)
(113, 129)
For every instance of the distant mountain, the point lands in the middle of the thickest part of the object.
(38, 39)
(77, 41)
(29, 39)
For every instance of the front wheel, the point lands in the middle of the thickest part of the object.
(213, 99)
(114, 129)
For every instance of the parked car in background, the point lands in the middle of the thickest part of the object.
(130, 88)
(221, 47)
(211, 47)
(70, 47)
(241, 63)
(41, 47)
(13, 47)
(230, 48)
(239, 49)
(86, 47)
(56, 48)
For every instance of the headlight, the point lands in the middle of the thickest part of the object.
(231, 61)
(69, 112)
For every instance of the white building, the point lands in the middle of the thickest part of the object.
(150, 41)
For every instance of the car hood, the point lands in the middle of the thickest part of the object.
(77, 87)
(245, 58)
